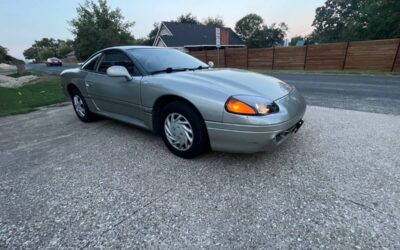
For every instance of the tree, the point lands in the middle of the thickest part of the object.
(338, 21)
(214, 21)
(45, 53)
(149, 39)
(187, 18)
(31, 53)
(98, 26)
(6, 58)
(49, 43)
(48, 47)
(252, 30)
(152, 35)
(382, 19)
(3, 54)
(249, 24)
(268, 36)
(64, 47)
(345, 20)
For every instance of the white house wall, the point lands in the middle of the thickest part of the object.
(164, 31)
(160, 43)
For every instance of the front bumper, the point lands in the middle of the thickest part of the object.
(258, 133)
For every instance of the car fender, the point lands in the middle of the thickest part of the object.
(210, 103)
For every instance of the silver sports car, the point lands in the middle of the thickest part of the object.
(192, 105)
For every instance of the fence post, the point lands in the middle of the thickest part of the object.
(205, 56)
(273, 57)
(225, 53)
(345, 55)
(305, 58)
(225, 57)
(395, 57)
(247, 58)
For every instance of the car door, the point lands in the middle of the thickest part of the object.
(115, 95)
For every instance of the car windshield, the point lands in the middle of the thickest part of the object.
(160, 59)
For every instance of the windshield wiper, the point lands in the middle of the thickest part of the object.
(168, 70)
(200, 67)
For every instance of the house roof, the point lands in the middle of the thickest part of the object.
(186, 35)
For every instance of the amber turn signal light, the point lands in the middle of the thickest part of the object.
(235, 106)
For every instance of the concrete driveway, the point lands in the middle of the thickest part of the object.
(66, 184)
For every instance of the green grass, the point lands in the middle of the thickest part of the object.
(27, 98)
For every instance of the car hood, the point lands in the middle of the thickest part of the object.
(233, 82)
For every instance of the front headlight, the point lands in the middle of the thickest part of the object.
(250, 105)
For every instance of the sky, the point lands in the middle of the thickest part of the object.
(24, 21)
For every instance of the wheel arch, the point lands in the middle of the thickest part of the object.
(161, 102)
(71, 87)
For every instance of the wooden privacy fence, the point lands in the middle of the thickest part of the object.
(378, 55)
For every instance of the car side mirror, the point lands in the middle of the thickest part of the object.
(211, 64)
(119, 71)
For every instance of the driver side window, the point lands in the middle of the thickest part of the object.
(90, 65)
(116, 58)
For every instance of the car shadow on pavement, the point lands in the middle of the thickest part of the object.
(272, 159)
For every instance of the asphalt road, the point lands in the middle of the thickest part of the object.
(67, 184)
(379, 94)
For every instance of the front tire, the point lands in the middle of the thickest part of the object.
(183, 130)
(80, 107)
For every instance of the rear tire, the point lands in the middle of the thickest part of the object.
(80, 107)
(183, 130)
